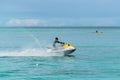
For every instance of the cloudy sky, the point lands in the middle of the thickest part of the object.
(59, 13)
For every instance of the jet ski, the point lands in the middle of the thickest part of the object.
(65, 48)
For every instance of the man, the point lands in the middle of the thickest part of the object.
(57, 41)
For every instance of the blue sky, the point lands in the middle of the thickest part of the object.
(59, 13)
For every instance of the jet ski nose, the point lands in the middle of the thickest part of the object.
(69, 50)
(74, 49)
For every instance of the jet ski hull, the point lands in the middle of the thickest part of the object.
(65, 51)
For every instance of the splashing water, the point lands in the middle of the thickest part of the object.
(23, 42)
(33, 37)
(30, 52)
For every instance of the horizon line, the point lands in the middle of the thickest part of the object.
(60, 27)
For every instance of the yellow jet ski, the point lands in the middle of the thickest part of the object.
(64, 48)
(68, 48)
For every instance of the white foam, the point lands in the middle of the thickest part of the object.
(30, 52)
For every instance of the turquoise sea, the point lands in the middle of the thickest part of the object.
(23, 54)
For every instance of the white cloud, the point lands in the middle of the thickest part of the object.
(98, 21)
(25, 22)
(35, 22)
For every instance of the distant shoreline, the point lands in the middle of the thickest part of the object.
(62, 27)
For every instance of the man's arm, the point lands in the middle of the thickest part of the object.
(61, 42)
(57, 42)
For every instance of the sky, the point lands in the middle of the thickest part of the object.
(59, 13)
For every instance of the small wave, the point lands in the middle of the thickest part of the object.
(30, 52)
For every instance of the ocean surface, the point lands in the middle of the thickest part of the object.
(23, 54)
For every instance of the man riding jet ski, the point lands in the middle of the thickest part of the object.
(64, 48)
(57, 41)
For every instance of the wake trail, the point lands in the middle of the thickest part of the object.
(30, 52)
(33, 37)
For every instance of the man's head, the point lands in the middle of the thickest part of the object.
(56, 38)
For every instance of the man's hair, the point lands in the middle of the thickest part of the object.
(56, 38)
